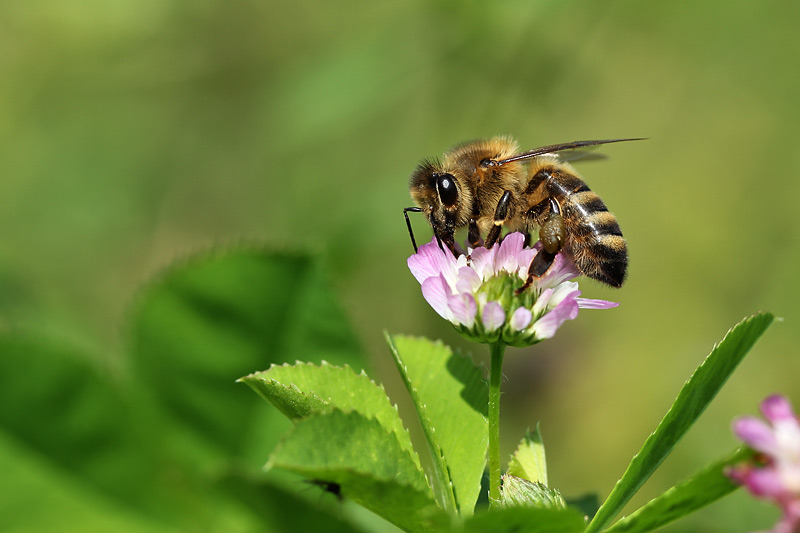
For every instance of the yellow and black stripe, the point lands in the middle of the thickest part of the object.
(594, 238)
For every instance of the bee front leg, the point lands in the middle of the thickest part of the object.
(444, 233)
(474, 235)
(500, 215)
(552, 234)
(447, 239)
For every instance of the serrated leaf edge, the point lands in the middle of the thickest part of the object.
(412, 454)
(745, 321)
(406, 443)
(440, 469)
(738, 456)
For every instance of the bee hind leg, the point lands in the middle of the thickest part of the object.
(552, 234)
(500, 215)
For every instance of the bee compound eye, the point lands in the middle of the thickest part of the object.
(446, 186)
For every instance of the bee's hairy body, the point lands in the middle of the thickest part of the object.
(488, 184)
(593, 237)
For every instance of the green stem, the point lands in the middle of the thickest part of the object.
(495, 378)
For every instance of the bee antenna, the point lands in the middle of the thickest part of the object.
(408, 223)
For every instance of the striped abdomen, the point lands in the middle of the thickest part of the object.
(594, 239)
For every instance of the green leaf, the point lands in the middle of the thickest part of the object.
(304, 389)
(528, 462)
(103, 443)
(366, 462)
(516, 491)
(451, 399)
(60, 406)
(39, 496)
(692, 400)
(705, 487)
(220, 316)
(78, 454)
(280, 509)
(525, 520)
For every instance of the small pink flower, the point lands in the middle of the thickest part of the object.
(776, 475)
(476, 292)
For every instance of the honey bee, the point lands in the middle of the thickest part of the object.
(488, 184)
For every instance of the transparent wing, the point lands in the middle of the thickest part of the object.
(571, 156)
(565, 151)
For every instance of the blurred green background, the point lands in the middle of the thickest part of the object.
(133, 134)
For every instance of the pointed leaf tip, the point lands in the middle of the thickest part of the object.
(306, 389)
(691, 402)
(528, 461)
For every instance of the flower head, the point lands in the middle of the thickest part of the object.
(477, 292)
(776, 474)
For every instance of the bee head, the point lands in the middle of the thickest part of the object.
(442, 196)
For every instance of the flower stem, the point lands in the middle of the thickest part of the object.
(495, 378)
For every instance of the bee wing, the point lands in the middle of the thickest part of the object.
(564, 147)
(570, 156)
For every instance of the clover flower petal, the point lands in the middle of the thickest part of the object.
(493, 316)
(468, 280)
(484, 282)
(435, 290)
(547, 326)
(588, 303)
(756, 433)
(521, 319)
(775, 475)
(463, 308)
(429, 262)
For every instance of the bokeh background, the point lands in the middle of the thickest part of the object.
(133, 134)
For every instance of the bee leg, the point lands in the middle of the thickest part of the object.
(552, 234)
(538, 210)
(474, 235)
(500, 214)
(445, 235)
(447, 239)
